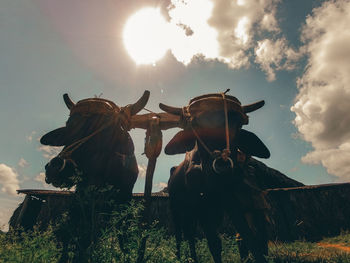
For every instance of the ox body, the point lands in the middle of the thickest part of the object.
(98, 149)
(98, 158)
(211, 180)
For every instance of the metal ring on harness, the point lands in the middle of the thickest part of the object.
(214, 164)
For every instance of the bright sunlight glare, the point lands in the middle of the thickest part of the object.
(145, 36)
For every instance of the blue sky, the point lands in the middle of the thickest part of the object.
(292, 54)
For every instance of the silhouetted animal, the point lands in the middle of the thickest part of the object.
(211, 180)
(98, 157)
(97, 146)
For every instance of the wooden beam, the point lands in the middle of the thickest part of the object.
(166, 121)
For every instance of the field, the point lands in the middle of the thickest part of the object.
(42, 246)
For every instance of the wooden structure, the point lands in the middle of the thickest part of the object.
(307, 212)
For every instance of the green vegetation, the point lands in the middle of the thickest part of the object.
(121, 239)
(32, 246)
(307, 252)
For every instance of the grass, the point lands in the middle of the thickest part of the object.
(344, 239)
(308, 252)
(120, 242)
(32, 246)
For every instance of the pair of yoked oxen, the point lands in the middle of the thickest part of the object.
(210, 181)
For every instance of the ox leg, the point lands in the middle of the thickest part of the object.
(214, 241)
(178, 237)
(192, 244)
(189, 231)
(178, 226)
(242, 248)
(249, 227)
(257, 224)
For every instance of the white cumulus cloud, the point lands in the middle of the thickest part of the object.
(322, 105)
(142, 170)
(227, 31)
(269, 22)
(160, 186)
(41, 178)
(191, 34)
(5, 214)
(275, 55)
(50, 152)
(8, 180)
(22, 163)
(238, 22)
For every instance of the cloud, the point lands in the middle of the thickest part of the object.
(41, 178)
(142, 170)
(8, 205)
(227, 31)
(336, 160)
(191, 34)
(160, 186)
(322, 105)
(22, 163)
(50, 152)
(8, 180)
(275, 55)
(5, 214)
(238, 23)
(219, 30)
(29, 137)
(269, 22)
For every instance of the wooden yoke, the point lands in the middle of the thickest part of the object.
(153, 147)
(166, 121)
(154, 123)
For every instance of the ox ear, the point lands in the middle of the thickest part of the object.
(56, 137)
(182, 142)
(250, 144)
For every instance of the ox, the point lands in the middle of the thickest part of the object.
(98, 157)
(211, 179)
(96, 145)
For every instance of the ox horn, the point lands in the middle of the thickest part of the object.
(140, 104)
(171, 110)
(253, 107)
(70, 104)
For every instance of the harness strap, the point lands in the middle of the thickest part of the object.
(67, 152)
(201, 142)
(226, 121)
(226, 152)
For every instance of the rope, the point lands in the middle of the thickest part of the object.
(226, 122)
(71, 148)
(201, 142)
(226, 152)
(148, 110)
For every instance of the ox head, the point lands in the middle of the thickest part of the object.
(89, 115)
(204, 121)
(87, 118)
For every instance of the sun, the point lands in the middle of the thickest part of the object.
(145, 36)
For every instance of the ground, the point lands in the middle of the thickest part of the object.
(41, 248)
